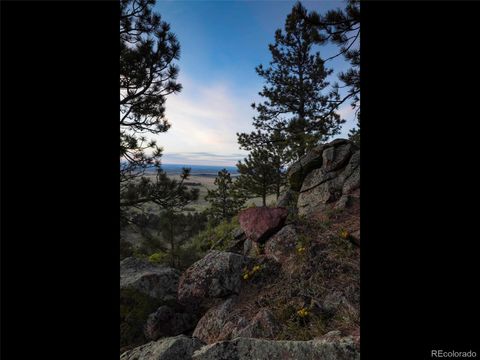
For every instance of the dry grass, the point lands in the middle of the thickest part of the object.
(325, 280)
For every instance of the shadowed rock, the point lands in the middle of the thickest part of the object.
(283, 244)
(259, 349)
(158, 282)
(338, 177)
(217, 275)
(222, 322)
(167, 321)
(310, 161)
(174, 348)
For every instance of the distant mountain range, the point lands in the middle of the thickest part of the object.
(206, 170)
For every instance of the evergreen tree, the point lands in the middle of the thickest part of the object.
(354, 134)
(342, 27)
(225, 200)
(294, 101)
(176, 229)
(276, 145)
(168, 194)
(148, 74)
(258, 175)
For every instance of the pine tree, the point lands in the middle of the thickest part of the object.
(148, 74)
(176, 229)
(258, 175)
(342, 27)
(225, 200)
(295, 81)
(276, 145)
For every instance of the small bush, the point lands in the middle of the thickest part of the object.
(158, 258)
(217, 237)
(134, 310)
(298, 324)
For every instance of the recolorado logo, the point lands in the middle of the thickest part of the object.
(453, 354)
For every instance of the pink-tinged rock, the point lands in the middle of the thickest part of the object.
(260, 223)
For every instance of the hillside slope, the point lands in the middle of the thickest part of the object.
(290, 275)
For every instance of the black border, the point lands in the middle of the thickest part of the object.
(59, 200)
(60, 214)
(419, 150)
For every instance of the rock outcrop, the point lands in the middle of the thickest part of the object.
(332, 181)
(168, 321)
(262, 326)
(217, 323)
(217, 275)
(260, 223)
(259, 349)
(310, 161)
(173, 348)
(283, 244)
(301, 281)
(158, 282)
(288, 199)
(222, 322)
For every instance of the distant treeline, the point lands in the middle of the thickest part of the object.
(189, 183)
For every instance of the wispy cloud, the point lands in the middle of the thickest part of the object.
(205, 119)
(348, 113)
(202, 158)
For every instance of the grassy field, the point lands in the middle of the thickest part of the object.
(206, 183)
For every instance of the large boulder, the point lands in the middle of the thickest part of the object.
(259, 223)
(336, 157)
(310, 161)
(158, 282)
(283, 244)
(168, 321)
(174, 348)
(223, 322)
(217, 275)
(262, 326)
(216, 322)
(339, 176)
(260, 349)
(351, 174)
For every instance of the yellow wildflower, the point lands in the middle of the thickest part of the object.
(301, 249)
(256, 268)
(344, 234)
(245, 276)
(302, 312)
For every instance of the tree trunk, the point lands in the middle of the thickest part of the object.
(278, 186)
(172, 245)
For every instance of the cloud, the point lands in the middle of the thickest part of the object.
(348, 113)
(202, 158)
(205, 119)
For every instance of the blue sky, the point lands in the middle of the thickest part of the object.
(221, 44)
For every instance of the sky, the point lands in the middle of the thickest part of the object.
(221, 44)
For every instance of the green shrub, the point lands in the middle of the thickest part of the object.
(134, 310)
(158, 258)
(217, 237)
